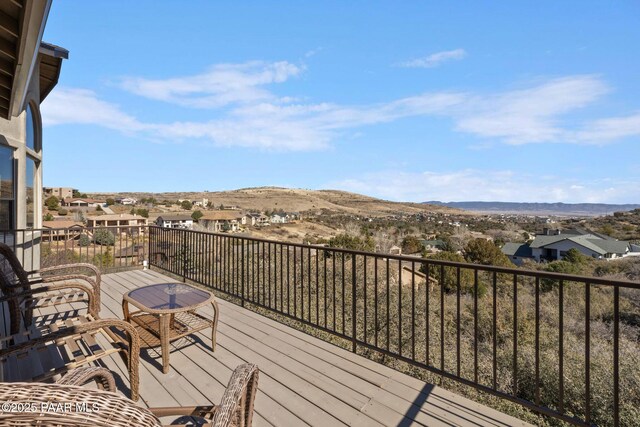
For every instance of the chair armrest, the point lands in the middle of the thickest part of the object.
(58, 275)
(93, 307)
(85, 265)
(81, 376)
(242, 387)
(134, 338)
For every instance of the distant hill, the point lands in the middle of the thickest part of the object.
(560, 209)
(294, 200)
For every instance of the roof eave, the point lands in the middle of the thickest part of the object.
(32, 29)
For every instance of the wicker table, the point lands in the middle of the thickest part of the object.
(167, 311)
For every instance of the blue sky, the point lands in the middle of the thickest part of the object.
(509, 101)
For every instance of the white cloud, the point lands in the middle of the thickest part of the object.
(247, 114)
(82, 106)
(435, 59)
(221, 85)
(610, 129)
(530, 115)
(482, 185)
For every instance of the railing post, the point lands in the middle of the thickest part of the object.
(184, 257)
(242, 273)
(353, 303)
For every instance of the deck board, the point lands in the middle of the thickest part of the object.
(303, 380)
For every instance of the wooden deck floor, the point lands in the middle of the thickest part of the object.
(303, 380)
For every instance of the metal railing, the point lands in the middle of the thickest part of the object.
(550, 342)
(561, 345)
(110, 248)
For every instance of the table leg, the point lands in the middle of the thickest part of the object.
(164, 341)
(125, 310)
(214, 324)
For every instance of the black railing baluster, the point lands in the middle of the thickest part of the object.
(376, 324)
(295, 284)
(324, 261)
(400, 307)
(515, 334)
(537, 341)
(343, 295)
(475, 326)
(561, 347)
(333, 269)
(413, 311)
(309, 302)
(427, 315)
(458, 285)
(495, 331)
(388, 322)
(354, 334)
(616, 356)
(442, 280)
(317, 286)
(587, 353)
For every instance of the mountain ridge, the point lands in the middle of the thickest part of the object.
(551, 208)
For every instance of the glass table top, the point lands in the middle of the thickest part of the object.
(169, 296)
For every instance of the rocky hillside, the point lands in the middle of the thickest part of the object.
(295, 200)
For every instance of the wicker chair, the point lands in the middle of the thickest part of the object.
(23, 294)
(113, 410)
(68, 345)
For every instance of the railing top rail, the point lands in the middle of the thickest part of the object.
(412, 259)
(481, 267)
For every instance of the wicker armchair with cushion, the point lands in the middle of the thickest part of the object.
(102, 408)
(24, 292)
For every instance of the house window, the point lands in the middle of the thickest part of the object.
(31, 178)
(31, 134)
(6, 188)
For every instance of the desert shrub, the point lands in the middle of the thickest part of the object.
(84, 240)
(411, 245)
(449, 274)
(104, 259)
(104, 237)
(196, 215)
(482, 251)
(48, 217)
(52, 203)
(356, 243)
(62, 212)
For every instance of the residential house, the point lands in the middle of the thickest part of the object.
(517, 252)
(249, 219)
(553, 245)
(127, 201)
(277, 219)
(262, 221)
(202, 203)
(433, 244)
(82, 203)
(175, 221)
(59, 192)
(61, 230)
(221, 221)
(125, 223)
